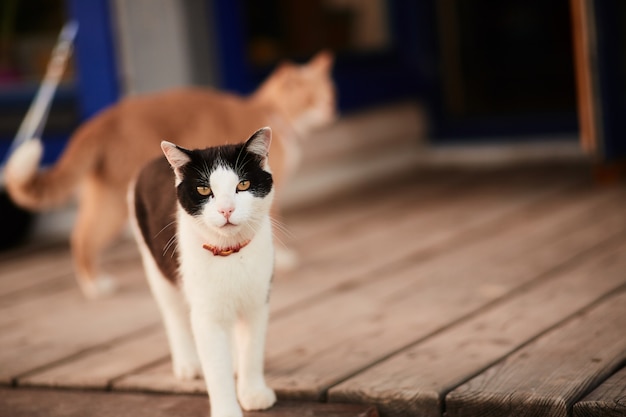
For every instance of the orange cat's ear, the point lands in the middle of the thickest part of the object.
(323, 61)
(284, 67)
(176, 156)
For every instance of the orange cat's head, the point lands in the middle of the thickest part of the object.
(304, 94)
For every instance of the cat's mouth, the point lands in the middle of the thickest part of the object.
(226, 229)
(229, 229)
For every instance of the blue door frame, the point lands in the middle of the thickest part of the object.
(97, 69)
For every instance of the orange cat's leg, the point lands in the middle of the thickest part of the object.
(102, 214)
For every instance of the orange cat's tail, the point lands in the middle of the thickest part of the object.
(38, 190)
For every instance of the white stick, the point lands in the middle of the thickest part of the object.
(35, 120)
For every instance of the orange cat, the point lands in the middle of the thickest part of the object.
(105, 153)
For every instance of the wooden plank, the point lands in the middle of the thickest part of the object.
(35, 302)
(317, 228)
(546, 377)
(608, 400)
(415, 381)
(55, 403)
(356, 250)
(320, 343)
(98, 368)
(159, 378)
(455, 196)
(376, 205)
(39, 332)
(357, 205)
(313, 229)
(50, 269)
(420, 186)
(34, 269)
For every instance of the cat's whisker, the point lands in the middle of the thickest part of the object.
(207, 172)
(237, 166)
(282, 227)
(173, 222)
(169, 244)
(252, 225)
(277, 238)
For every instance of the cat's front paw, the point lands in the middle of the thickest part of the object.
(187, 370)
(259, 397)
(100, 287)
(227, 412)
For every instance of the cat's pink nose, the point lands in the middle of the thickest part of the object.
(226, 212)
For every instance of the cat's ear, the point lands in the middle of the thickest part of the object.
(323, 61)
(259, 143)
(176, 156)
(284, 67)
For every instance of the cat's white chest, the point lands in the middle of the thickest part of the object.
(226, 286)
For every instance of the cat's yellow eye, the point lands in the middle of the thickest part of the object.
(204, 190)
(243, 185)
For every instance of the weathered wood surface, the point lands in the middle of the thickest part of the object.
(54, 403)
(393, 310)
(419, 295)
(415, 381)
(549, 374)
(100, 367)
(413, 226)
(608, 400)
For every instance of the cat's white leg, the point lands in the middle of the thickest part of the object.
(175, 314)
(213, 341)
(253, 392)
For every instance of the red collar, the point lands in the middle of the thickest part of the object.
(225, 251)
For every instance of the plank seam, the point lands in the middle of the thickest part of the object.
(110, 386)
(53, 285)
(15, 380)
(591, 388)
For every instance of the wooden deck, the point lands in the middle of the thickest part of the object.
(488, 293)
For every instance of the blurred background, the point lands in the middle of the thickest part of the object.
(417, 76)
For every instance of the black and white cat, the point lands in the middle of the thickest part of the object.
(204, 231)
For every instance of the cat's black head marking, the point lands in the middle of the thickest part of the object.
(247, 160)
